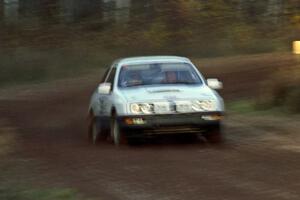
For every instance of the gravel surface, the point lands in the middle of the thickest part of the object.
(259, 160)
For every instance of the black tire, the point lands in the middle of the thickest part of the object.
(214, 135)
(95, 134)
(136, 141)
(118, 137)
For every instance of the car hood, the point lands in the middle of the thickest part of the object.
(167, 93)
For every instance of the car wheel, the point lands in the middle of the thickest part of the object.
(94, 131)
(117, 136)
(214, 135)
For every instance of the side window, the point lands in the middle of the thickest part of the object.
(105, 75)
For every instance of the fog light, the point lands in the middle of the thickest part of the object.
(129, 121)
(138, 121)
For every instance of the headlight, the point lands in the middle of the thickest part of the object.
(142, 108)
(146, 108)
(135, 108)
(204, 105)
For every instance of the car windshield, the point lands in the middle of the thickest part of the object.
(157, 74)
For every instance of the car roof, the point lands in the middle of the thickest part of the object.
(151, 59)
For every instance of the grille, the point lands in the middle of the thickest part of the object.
(172, 130)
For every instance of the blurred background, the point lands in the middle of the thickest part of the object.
(54, 52)
(46, 40)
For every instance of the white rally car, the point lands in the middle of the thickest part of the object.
(146, 96)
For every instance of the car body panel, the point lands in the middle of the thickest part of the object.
(119, 99)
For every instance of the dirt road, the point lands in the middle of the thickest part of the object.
(258, 161)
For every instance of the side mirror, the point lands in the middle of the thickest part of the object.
(104, 88)
(214, 83)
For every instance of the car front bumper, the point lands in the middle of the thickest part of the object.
(169, 123)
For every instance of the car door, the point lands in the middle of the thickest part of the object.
(106, 100)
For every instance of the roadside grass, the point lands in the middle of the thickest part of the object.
(250, 107)
(7, 140)
(17, 173)
(17, 193)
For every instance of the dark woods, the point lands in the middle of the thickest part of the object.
(196, 27)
